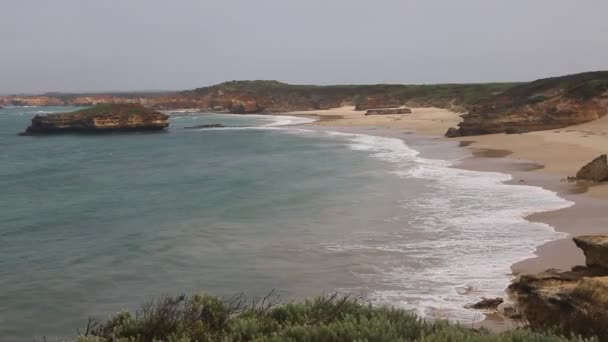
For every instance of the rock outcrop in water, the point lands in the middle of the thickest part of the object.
(576, 300)
(101, 118)
(595, 171)
(540, 105)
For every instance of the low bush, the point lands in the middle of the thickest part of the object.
(329, 318)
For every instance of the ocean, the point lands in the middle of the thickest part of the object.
(94, 224)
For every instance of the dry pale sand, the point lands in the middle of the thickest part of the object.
(562, 151)
(424, 121)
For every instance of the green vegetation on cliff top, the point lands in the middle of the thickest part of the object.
(111, 109)
(435, 94)
(331, 319)
(582, 87)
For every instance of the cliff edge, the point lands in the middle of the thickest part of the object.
(539, 105)
(575, 301)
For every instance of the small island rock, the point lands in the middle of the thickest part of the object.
(100, 118)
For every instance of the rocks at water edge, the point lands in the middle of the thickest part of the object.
(207, 126)
(486, 304)
(389, 111)
(575, 300)
(100, 118)
(596, 170)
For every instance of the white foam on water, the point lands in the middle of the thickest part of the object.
(285, 120)
(274, 122)
(478, 229)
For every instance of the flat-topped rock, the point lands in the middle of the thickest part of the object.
(100, 118)
(595, 248)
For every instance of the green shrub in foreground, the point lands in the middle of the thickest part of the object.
(331, 318)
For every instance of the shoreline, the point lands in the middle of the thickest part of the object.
(525, 160)
(542, 159)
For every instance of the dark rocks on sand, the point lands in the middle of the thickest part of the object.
(596, 170)
(388, 111)
(453, 132)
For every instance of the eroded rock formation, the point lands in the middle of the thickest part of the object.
(576, 300)
(540, 105)
(102, 118)
(595, 171)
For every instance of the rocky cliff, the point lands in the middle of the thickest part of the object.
(543, 104)
(575, 301)
(101, 118)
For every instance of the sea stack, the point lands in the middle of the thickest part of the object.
(100, 118)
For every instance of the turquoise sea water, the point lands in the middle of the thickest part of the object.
(93, 224)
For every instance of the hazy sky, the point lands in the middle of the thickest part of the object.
(86, 45)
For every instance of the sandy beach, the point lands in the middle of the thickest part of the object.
(542, 158)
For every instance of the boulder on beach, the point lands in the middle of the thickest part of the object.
(596, 170)
(595, 249)
(100, 118)
(453, 132)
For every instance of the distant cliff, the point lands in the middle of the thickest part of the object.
(543, 104)
(244, 97)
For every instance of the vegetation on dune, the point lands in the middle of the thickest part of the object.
(581, 86)
(330, 318)
(440, 95)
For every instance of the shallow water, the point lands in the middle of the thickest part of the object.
(92, 224)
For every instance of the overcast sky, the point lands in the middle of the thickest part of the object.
(81, 45)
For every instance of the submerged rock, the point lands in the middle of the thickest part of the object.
(210, 126)
(596, 170)
(389, 111)
(101, 118)
(576, 300)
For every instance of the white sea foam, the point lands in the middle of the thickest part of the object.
(477, 227)
(284, 120)
(273, 122)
